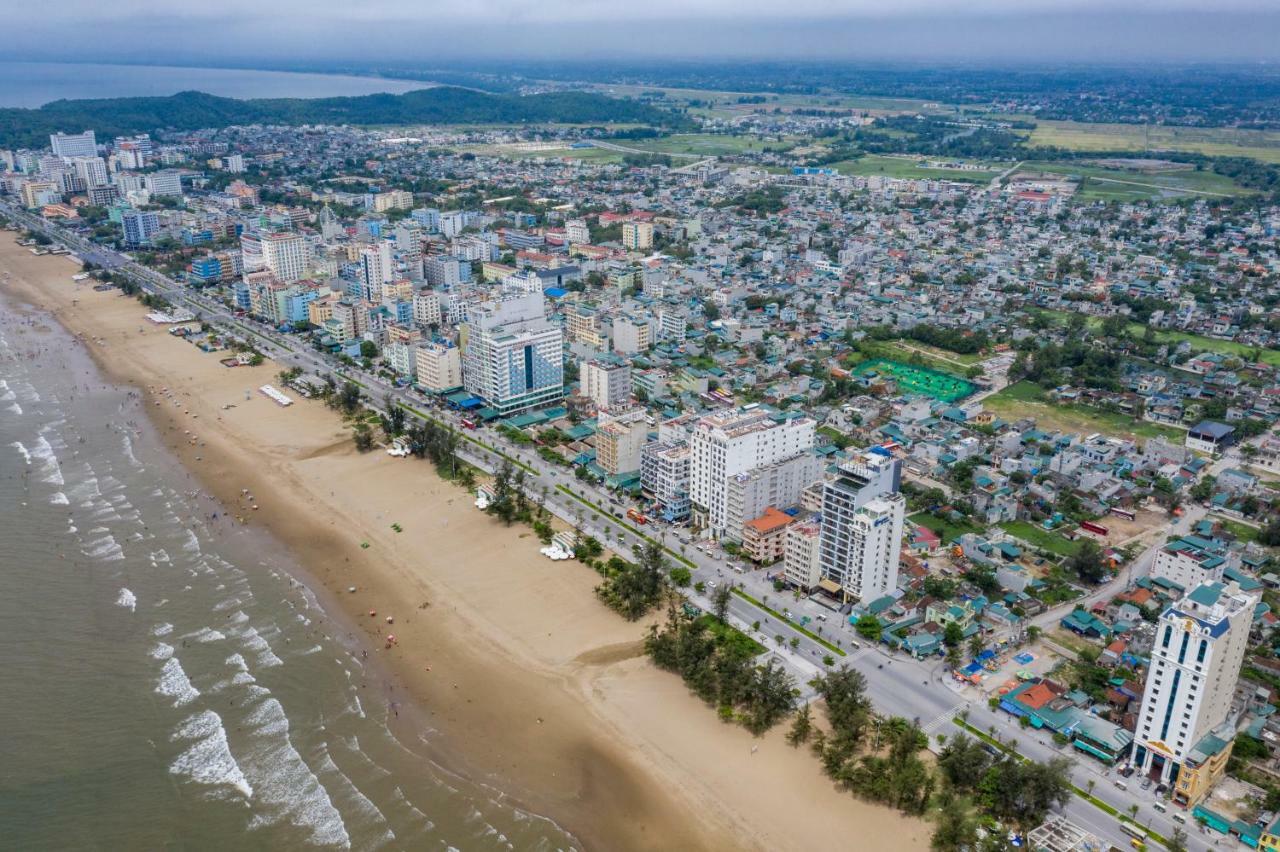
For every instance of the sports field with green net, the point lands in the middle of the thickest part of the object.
(919, 380)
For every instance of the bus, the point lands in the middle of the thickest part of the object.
(469, 424)
(635, 515)
(1127, 514)
(1134, 831)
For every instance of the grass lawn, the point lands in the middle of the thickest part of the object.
(1041, 538)
(1242, 532)
(945, 360)
(1027, 399)
(729, 635)
(946, 530)
(908, 167)
(1214, 141)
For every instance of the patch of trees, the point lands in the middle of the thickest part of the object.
(962, 341)
(439, 105)
(633, 589)
(717, 663)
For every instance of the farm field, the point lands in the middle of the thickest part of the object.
(1104, 184)
(920, 380)
(1027, 399)
(708, 144)
(724, 104)
(907, 168)
(1214, 141)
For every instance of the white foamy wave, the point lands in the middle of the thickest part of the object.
(192, 544)
(175, 684)
(205, 634)
(286, 787)
(14, 408)
(105, 548)
(209, 760)
(26, 454)
(50, 472)
(358, 801)
(161, 651)
(162, 629)
(57, 498)
(254, 642)
(128, 451)
(158, 556)
(127, 599)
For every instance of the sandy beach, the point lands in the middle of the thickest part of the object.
(522, 678)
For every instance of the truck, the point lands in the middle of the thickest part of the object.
(637, 516)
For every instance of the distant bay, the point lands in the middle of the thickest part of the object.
(33, 84)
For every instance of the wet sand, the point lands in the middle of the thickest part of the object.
(510, 668)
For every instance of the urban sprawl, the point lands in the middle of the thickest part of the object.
(983, 456)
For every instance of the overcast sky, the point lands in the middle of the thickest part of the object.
(368, 31)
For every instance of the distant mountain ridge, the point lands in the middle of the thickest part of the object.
(438, 105)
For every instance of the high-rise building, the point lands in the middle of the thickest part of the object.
(576, 231)
(1200, 643)
(92, 170)
(859, 558)
(439, 367)
(285, 255)
(861, 547)
(802, 555)
(630, 336)
(376, 270)
(664, 478)
(74, 144)
(139, 226)
(619, 443)
(606, 383)
(167, 182)
(426, 308)
(733, 442)
(780, 484)
(233, 163)
(514, 357)
(637, 235)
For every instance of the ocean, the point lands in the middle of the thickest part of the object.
(32, 84)
(169, 680)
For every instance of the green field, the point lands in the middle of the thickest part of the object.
(1213, 141)
(920, 380)
(946, 530)
(705, 144)
(1027, 399)
(1107, 184)
(904, 349)
(1041, 538)
(909, 168)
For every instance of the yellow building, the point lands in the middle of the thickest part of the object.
(1204, 765)
(637, 236)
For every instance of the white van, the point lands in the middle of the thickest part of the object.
(1179, 818)
(1160, 806)
(1121, 784)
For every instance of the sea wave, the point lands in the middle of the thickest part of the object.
(209, 760)
(127, 599)
(174, 683)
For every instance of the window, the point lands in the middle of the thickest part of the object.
(1204, 647)
(1182, 651)
(1168, 634)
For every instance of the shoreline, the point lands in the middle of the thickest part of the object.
(522, 680)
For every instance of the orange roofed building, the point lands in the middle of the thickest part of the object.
(764, 538)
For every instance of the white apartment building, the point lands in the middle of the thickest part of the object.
(514, 357)
(74, 144)
(860, 548)
(167, 182)
(733, 442)
(664, 477)
(285, 255)
(672, 324)
(1191, 561)
(426, 308)
(606, 384)
(92, 170)
(802, 563)
(376, 270)
(630, 336)
(1199, 647)
(439, 367)
(576, 231)
(780, 485)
